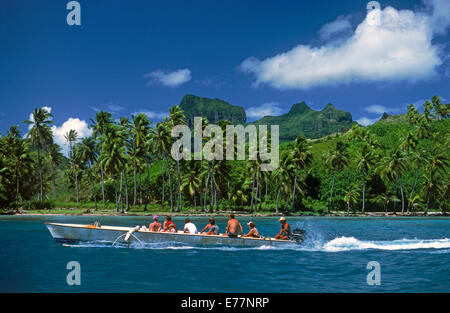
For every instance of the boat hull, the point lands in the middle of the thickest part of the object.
(77, 232)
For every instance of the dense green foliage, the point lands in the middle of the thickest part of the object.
(301, 119)
(399, 164)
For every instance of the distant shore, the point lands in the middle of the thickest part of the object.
(54, 212)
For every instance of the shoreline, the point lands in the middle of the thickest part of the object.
(237, 213)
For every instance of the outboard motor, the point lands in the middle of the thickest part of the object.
(298, 235)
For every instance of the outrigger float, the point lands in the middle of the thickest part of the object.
(72, 233)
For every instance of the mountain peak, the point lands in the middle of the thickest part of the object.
(329, 106)
(299, 108)
(213, 109)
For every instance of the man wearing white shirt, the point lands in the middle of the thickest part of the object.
(189, 227)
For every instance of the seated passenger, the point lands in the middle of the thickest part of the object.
(155, 226)
(169, 226)
(233, 227)
(213, 229)
(189, 227)
(285, 232)
(253, 231)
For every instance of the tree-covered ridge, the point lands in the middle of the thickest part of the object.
(399, 164)
(212, 109)
(301, 119)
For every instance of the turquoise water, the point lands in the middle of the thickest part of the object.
(414, 255)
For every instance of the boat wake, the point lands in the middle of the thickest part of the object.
(351, 243)
(311, 244)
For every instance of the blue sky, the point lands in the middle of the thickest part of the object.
(143, 56)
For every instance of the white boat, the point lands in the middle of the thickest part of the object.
(71, 233)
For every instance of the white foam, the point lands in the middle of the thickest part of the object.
(351, 243)
(316, 244)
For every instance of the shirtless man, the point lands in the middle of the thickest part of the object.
(285, 231)
(155, 226)
(233, 227)
(253, 231)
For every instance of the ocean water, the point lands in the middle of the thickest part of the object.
(413, 253)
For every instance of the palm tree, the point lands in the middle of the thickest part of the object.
(139, 130)
(113, 156)
(302, 159)
(21, 162)
(283, 175)
(366, 160)
(418, 158)
(351, 197)
(336, 160)
(72, 136)
(41, 135)
(56, 157)
(159, 144)
(394, 165)
(87, 154)
(103, 120)
(191, 181)
(439, 108)
(176, 117)
(432, 188)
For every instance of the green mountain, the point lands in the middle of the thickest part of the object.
(301, 119)
(213, 109)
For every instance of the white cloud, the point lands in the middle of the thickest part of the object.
(380, 109)
(80, 126)
(365, 121)
(440, 15)
(114, 106)
(388, 45)
(153, 114)
(338, 27)
(269, 108)
(169, 79)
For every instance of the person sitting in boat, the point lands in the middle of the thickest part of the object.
(189, 227)
(253, 231)
(285, 232)
(155, 226)
(169, 226)
(213, 229)
(233, 227)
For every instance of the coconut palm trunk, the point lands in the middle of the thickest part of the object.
(115, 194)
(211, 195)
(95, 196)
(103, 184)
(253, 190)
(134, 181)
(126, 190)
(148, 185)
(293, 193)
(162, 174)
(120, 192)
(403, 197)
(206, 189)
(413, 188)
(171, 191)
(278, 198)
(54, 181)
(331, 193)
(40, 174)
(364, 192)
(179, 186)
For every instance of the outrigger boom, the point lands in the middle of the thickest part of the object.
(70, 233)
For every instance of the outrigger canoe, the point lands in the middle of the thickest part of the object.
(72, 233)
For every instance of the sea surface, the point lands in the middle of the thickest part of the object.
(413, 253)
